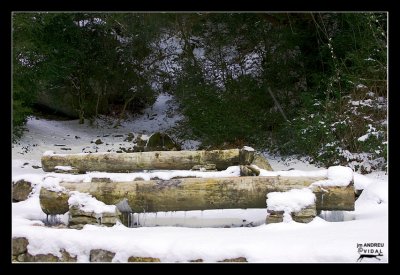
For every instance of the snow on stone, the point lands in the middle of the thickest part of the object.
(337, 176)
(294, 173)
(248, 148)
(361, 182)
(87, 203)
(63, 168)
(364, 137)
(291, 201)
(52, 184)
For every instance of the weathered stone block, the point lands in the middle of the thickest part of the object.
(21, 190)
(19, 245)
(133, 259)
(101, 255)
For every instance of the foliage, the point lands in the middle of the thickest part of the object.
(283, 81)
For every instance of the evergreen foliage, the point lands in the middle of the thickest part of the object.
(304, 83)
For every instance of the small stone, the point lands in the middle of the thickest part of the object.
(101, 255)
(19, 245)
(98, 141)
(196, 261)
(130, 137)
(261, 162)
(133, 259)
(21, 258)
(274, 216)
(235, 260)
(41, 258)
(305, 215)
(161, 142)
(66, 257)
(21, 190)
(101, 180)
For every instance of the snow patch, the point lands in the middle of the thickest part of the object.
(337, 176)
(53, 184)
(290, 201)
(248, 148)
(87, 203)
(48, 153)
(64, 168)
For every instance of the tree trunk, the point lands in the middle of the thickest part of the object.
(118, 123)
(127, 162)
(198, 193)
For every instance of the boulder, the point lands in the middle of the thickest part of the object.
(44, 258)
(161, 142)
(133, 259)
(66, 257)
(52, 202)
(261, 162)
(274, 216)
(21, 190)
(101, 255)
(305, 215)
(19, 245)
(78, 217)
(234, 260)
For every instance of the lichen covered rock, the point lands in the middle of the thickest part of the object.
(161, 142)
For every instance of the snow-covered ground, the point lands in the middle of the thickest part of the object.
(176, 236)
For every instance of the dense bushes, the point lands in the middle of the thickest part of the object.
(299, 83)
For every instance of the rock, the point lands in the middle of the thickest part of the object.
(66, 257)
(247, 170)
(79, 222)
(36, 167)
(41, 258)
(305, 215)
(21, 190)
(21, 258)
(235, 260)
(98, 142)
(261, 162)
(133, 259)
(52, 202)
(78, 217)
(274, 216)
(140, 143)
(101, 179)
(130, 137)
(19, 245)
(101, 255)
(161, 142)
